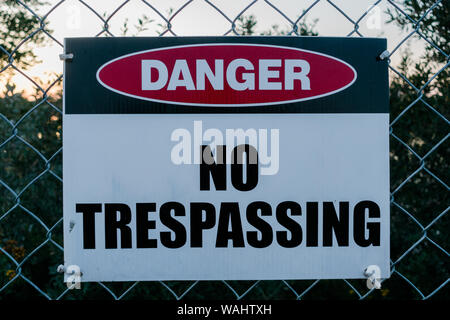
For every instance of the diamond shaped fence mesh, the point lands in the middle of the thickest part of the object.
(31, 179)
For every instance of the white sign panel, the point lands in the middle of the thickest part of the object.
(166, 177)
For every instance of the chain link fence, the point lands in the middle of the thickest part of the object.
(31, 177)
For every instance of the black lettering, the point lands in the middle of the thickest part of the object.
(359, 224)
(237, 167)
(290, 224)
(229, 213)
(340, 224)
(173, 224)
(143, 225)
(112, 224)
(260, 224)
(208, 167)
(198, 224)
(88, 210)
(312, 224)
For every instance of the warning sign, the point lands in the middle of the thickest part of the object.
(232, 158)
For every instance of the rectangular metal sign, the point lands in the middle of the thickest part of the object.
(206, 158)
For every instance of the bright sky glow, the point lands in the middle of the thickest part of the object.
(73, 19)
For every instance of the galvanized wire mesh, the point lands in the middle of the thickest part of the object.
(27, 188)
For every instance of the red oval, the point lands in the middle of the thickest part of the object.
(327, 75)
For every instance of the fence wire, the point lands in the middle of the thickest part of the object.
(26, 203)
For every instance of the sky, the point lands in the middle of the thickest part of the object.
(73, 19)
